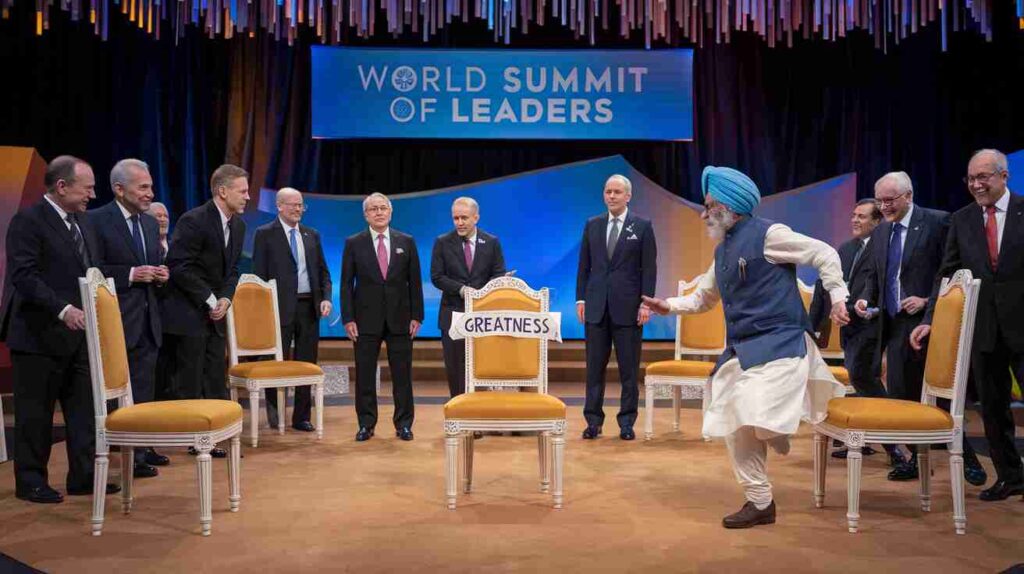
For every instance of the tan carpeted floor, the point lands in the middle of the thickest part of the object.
(379, 506)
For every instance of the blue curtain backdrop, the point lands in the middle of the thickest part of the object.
(787, 116)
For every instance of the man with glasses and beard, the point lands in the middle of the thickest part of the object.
(770, 375)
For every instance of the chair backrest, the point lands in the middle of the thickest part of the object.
(699, 334)
(499, 361)
(254, 325)
(949, 346)
(806, 294)
(104, 335)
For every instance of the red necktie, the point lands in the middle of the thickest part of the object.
(467, 250)
(992, 235)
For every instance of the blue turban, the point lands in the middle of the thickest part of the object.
(731, 188)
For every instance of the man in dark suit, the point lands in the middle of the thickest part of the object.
(128, 250)
(381, 301)
(464, 257)
(618, 264)
(292, 254)
(203, 259)
(905, 253)
(987, 237)
(49, 246)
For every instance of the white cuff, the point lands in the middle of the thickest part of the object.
(64, 311)
(211, 302)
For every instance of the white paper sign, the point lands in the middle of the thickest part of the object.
(519, 324)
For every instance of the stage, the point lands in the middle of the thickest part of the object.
(379, 506)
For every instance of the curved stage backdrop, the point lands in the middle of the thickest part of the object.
(539, 218)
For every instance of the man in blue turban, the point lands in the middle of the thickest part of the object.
(771, 375)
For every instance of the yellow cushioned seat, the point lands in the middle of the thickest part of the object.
(275, 370)
(841, 374)
(681, 368)
(201, 415)
(886, 414)
(502, 405)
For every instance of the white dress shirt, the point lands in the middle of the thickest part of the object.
(303, 273)
(622, 223)
(1001, 206)
(387, 242)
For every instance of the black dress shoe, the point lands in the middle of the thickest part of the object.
(905, 471)
(144, 471)
(304, 426)
(111, 489)
(214, 452)
(591, 432)
(41, 495)
(626, 433)
(865, 451)
(1001, 490)
(749, 516)
(974, 473)
(404, 433)
(153, 458)
(364, 434)
(896, 459)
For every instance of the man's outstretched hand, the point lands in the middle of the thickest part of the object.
(659, 306)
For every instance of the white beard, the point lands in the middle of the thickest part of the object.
(720, 222)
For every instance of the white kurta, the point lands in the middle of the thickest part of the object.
(773, 397)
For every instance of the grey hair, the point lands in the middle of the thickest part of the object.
(900, 179)
(621, 178)
(468, 202)
(160, 205)
(119, 173)
(1000, 157)
(285, 190)
(373, 195)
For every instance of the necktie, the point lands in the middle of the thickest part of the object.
(294, 245)
(382, 256)
(892, 271)
(76, 238)
(140, 251)
(467, 250)
(992, 235)
(227, 233)
(613, 237)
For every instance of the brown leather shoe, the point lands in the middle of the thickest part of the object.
(749, 516)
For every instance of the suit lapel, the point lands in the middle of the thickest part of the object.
(976, 228)
(121, 225)
(913, 234)
(151, 233)
(307, 250)
(617, 255)
(394, 253)
(455, 247)
(52, 219)
(1011, 225)
(283, 241)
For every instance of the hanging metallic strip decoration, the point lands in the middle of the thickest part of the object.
(700, 21)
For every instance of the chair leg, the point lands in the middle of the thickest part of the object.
(234, 469)
(319, 402)
(956, 479)
(467, 478)
(544, 457)
(677, 403)
(204, 475)
(648, 411)
(924, 465)
(99, 491)
(820, 465)
(254, 416)
(282, 408)
(127, 474)
(854, 458)
(234, 394)
(451, 467)
(558, 459)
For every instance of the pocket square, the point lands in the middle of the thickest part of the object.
(399, 250)
(632, 237)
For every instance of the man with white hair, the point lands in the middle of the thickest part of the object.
(902, 265)
(128, 250)
(293, 254)
(163, 219)
(618, 263)
(381, 301)
(771, 375)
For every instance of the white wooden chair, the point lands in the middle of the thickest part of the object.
(505, 363)
(698, 336)
(254, 329)
(187, 423)
(858, 421)
(3, 433)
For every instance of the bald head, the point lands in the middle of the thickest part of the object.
(290, 205)
(987, 175)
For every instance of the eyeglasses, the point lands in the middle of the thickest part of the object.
(378, 208)
(299, 206)
(980, 178)
(891, 200)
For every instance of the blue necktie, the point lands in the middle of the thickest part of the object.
(140, 251)
(892, 270)
(295, 245)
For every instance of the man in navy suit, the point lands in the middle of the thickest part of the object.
(467, 256)
(381, 300)
(49, 246)
(987, 237)
(618, 264)
(293, 255)
(128, 250)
